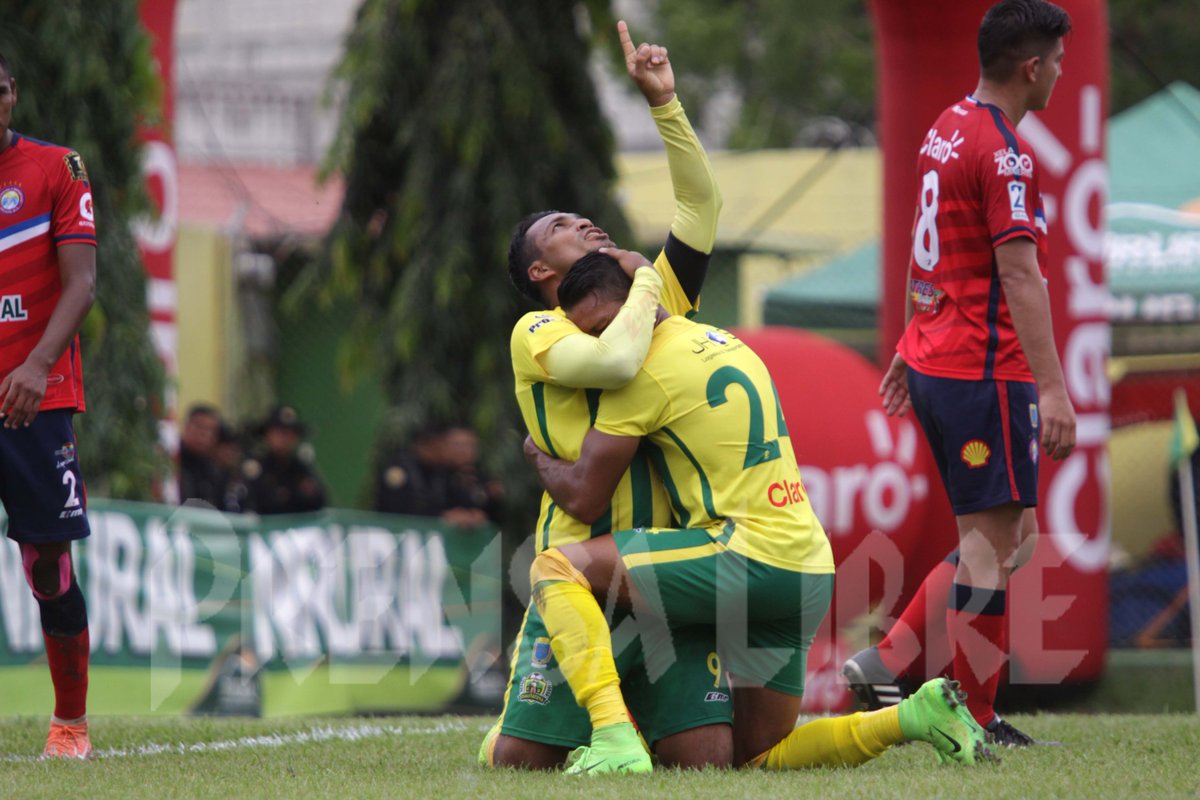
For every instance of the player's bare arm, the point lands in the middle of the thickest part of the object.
(1029, 303)
(22, 390)
(584, 488)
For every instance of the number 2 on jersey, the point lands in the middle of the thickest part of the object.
(758, 450)
(925, 236)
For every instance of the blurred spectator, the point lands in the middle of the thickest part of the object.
(439, 477)
(281, 480)
(200, 478)
(228, 455)
(473, 498)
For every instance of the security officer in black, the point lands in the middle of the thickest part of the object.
(281, 481)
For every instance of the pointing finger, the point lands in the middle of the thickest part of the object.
(626, 41)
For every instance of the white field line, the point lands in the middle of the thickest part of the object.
(317, 734)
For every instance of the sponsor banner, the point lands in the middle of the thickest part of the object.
(331, 612)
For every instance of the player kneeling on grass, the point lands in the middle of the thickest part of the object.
(705, 405)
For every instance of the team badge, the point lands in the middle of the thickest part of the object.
(11, 200)
(75, 166)
(65, 455)
(541, 653)
(1033, 415)
(535, 689)
(975, 454)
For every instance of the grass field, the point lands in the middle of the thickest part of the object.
(1103, 756)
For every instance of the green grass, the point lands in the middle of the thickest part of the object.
(1104, 756)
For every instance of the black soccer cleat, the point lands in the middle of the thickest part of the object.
(872, 683)
(1002, 734)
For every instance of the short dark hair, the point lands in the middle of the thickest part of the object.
(522, 253)
(203, 410)
(595, 273)
(1014, 30)
(4, 66)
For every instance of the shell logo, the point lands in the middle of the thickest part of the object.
(975, 454)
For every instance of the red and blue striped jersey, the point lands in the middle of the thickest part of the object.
(979, 189)
(45, 202)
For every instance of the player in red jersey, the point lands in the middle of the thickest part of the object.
(47, 285)
(977, 361)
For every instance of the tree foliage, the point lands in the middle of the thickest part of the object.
(84, 80)
(1153, 43)
(460, 118)
(794, 64)
(790, 63)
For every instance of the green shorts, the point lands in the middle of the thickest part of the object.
(765, 616)
(672, 682)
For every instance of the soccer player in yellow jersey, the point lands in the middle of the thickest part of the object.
(682, 706)
(750, 555)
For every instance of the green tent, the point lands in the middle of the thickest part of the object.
(1153, 246)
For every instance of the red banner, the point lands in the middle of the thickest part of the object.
(156, 235)
(1060, 599)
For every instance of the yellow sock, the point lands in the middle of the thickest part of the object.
(579, 637)
(835, 742)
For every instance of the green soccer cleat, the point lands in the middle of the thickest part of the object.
(936, 714)
(485, 747)
(614, 749)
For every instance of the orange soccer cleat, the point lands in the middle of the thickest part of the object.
(68, 740)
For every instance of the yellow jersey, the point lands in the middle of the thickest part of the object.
(706, 405)
(558, 417)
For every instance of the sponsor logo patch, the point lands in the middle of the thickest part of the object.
(541, 653)
(540, 322)
(975, 454)
(11, 200)
(85, 207)
(535, 689)
(940, 149)
(1016, 201)
(1011, 165)
(925, 296)
(780, 494)
(1033, 415)
(716, 697)
(75, 166)
(1033, 450)
(716, 337)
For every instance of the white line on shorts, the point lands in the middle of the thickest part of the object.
(317, 734)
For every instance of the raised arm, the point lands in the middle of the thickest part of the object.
(584, 488)
(697, 198)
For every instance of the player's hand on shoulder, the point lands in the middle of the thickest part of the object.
(630, 260)
(21, 394)
(893, 390)
(1058, 423)
(649, 67)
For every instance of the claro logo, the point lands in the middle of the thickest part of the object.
(782, 494)
(882, 491)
